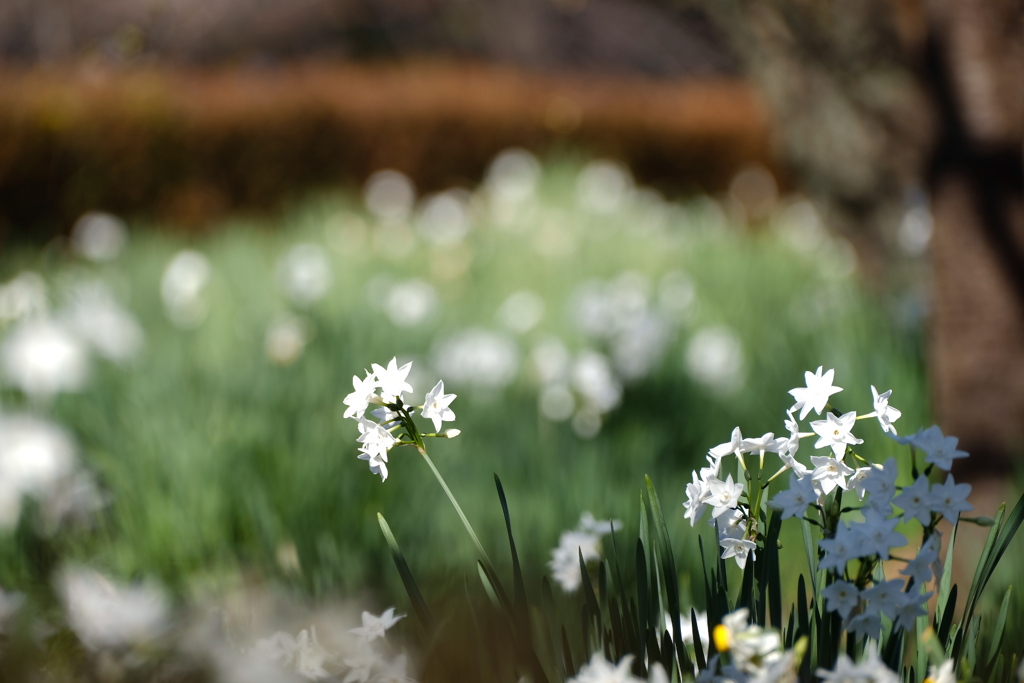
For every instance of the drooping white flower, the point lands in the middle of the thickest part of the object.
(816, 394)
(738, 548)
(883, 411)
(435, 406)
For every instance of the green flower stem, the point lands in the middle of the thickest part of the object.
(455, 504)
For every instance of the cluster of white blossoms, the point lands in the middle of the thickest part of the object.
(818, 486)
(584, 540)
(358, 659)
(384, 386)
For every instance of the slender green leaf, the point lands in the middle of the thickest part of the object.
(419, 605)
(997, 632)
(519, 588)
(943, 631)
(945, 583)
(642, 596)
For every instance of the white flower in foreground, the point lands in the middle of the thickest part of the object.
(374, 627)
(840, 549)
(841, 597)
(600, 670)
(815, 395)
(794, 501)
(304, 653)
(395, 671)
(435, 406)
(105, 614)
(738, 548)
(725, 495)
(35, 456)
(42, 357)
(883, 411)
(392, 380)
(939, 450)
(829, 473)
(735, 445)
(363, 392)
(834, 432)
(885, 598)
(950, 499)
(751, 647)
(946, 672)
(915, 501)
(879, 534)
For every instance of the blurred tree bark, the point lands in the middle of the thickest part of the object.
(875, 98)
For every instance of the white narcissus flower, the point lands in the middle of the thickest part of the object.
(42, 357)
(374, 627)
(946, 672)
(922, 567)
(738, 548)
(392, 379)
(725, 495)
(435, 406)
(939, 450)
(794, 501)
(600, 670)
(950, 499)
(815, 395)
(885, 597)
(834, 432)
(879, 534)
(363, 391)
(883, 411)
(915, 501)
(841, 597)
(842, 548)
(105, 614)
(829, 473)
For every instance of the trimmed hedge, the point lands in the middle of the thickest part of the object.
(189, 145)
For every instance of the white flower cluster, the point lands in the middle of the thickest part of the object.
(359, 660)
(862, 603)
(376, 439)
(585, 539)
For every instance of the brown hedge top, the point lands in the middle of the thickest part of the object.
(191, 144)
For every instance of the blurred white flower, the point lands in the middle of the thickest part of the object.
(478, 358)
(410, 302)
(603, 186)
(304, 274)
(585, 539)
(638, 349)
(513, 176)
(556, 402)
(286, 339)
(99, 319)
(521, 311)
(677, 295)
(181, 288)
(99, 236)
(22, 296)
(105, 614)
(444, 218)
(593, 378)
(35, 456)
(586, 422)
(714, 358)
(374, 627)
(600, 670)
(551, 360)
(42, 357)
(389, 196)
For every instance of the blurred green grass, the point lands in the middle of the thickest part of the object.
(215, 458)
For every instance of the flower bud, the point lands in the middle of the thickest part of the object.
(451, 433)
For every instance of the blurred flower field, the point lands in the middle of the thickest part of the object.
(171, 404)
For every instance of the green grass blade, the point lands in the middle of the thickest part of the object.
(997, 632)
(419, 605)
(519, 587)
